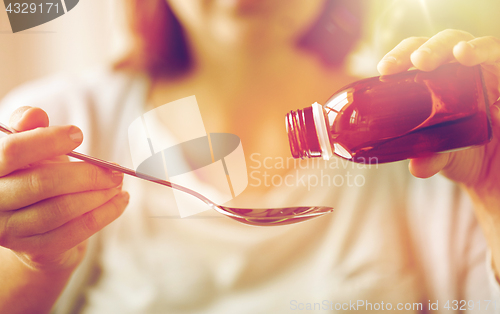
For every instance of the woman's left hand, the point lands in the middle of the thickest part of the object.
(476, 169)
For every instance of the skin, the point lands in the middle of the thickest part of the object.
(48, 209)
(477, 169)
(53, 206)
(243, 69)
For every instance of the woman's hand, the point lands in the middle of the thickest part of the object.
(476, 169)
(48, 205)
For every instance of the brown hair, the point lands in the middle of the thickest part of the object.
(159, 47)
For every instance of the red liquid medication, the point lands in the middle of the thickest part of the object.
(395, 117)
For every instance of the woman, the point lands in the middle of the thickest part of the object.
(257, 60)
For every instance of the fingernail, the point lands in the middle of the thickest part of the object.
(75, 134)
(124, 196)
(495, 111)
(16, 125)
(118, 188)
(117, 177)
(390, 59)
(425, 50)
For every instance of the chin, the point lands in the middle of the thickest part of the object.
(270, 8)
(245, 6)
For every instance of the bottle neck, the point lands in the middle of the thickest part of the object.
(302, 135)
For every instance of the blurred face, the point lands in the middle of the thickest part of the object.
(248, 21)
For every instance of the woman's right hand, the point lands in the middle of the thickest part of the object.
(48, 205)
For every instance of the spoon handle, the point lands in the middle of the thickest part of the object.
(130, 172)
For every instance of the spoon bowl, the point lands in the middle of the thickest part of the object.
(249, 216)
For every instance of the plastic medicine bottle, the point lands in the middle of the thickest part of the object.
(389, 118)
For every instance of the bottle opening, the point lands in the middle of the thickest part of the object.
(302, 135)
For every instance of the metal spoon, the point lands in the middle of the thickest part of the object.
(256, 217)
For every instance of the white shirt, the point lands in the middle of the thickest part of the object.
(394, 239)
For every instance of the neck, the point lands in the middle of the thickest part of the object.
(249, 68)
(248, 90)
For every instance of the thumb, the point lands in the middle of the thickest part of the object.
(28, 118)
(425, 167)
(495, 117)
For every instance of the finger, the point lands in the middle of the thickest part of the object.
(398, 59)
(49, 263)
(25, 148)
(25, 187)
(57, 159)
(495, 117)
(438, 49)
(77, 230)
(28, 118)
(477, 51)
(426, 167)
(49, 214)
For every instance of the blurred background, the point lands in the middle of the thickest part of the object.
(89, 35)
(94, 33)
